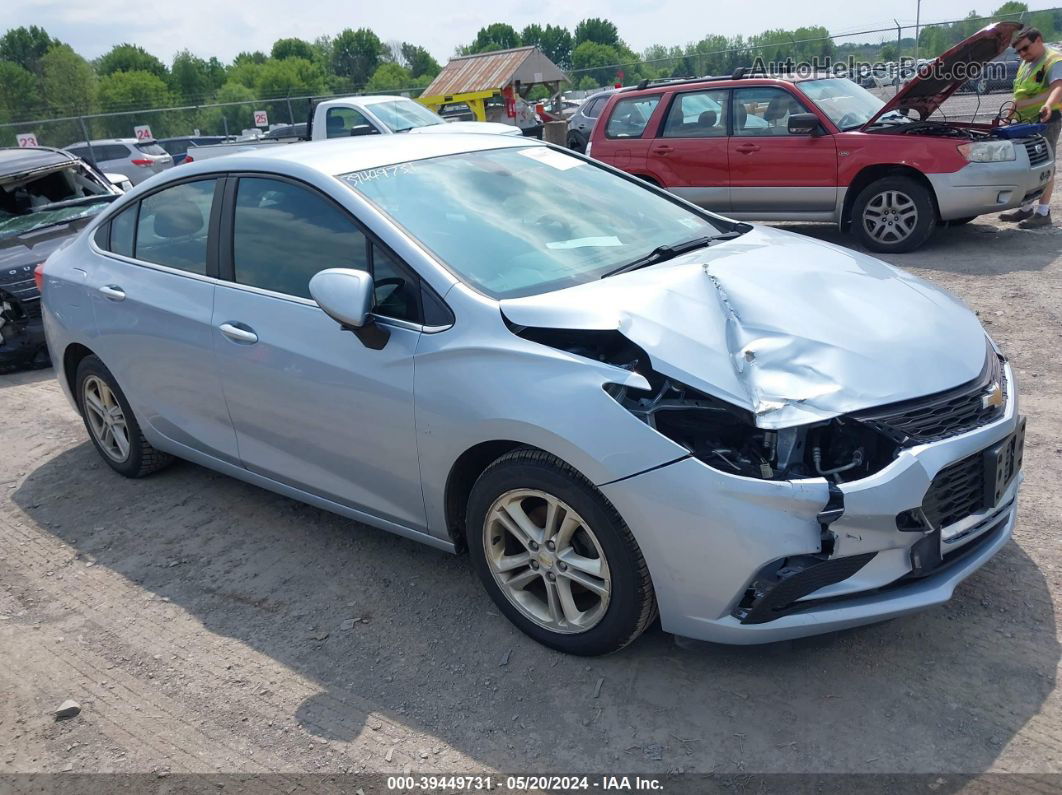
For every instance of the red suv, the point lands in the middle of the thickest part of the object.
(821, 148)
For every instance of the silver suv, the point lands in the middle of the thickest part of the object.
(137, 160)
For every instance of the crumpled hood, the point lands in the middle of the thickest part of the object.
(792, 329)
(470, 127)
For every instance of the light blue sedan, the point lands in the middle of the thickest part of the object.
(620, 404)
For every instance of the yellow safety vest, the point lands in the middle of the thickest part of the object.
(1032, 85)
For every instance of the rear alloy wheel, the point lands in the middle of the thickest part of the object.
(556, 557)
(111, 424)
(894, 214)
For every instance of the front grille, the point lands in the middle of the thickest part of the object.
(956, 492)
(1038, 150)
(944, 414)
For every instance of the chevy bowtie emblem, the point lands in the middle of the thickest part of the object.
(993, 396)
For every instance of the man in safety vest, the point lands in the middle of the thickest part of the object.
(1037, 97)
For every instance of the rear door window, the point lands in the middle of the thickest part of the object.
(697, 114)
(631, 116)
(122, 227)
(340, 121)
(111, 152)
(173, 225)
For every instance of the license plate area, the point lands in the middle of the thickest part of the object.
(1002, 463)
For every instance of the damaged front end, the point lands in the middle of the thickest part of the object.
(21, 332)
(898, 539)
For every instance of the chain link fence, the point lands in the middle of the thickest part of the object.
(884, 65)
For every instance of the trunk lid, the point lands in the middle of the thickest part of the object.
(943, 76)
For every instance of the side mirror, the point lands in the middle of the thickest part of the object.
(347, 296)
(363, 129)
(804, 124)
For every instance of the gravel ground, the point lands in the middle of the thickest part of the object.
(200, 622)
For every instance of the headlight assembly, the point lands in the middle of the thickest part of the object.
(988, 151)
(726, 438)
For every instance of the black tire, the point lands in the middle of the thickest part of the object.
(575, 144)
(632, 604)
(876, 195)
(142, 459)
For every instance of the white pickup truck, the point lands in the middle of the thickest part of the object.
(380, 115)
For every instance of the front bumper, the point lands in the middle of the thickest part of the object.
(706, 535)
(22, 343)
(981, 188)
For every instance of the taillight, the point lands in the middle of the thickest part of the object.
(142, 162)
(189, 159)
(38, 276)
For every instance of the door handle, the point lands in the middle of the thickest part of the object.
(746, 148)
(113, 292)
(237, 334)
(663, 149)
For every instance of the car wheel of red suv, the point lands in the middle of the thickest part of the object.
(893, 214)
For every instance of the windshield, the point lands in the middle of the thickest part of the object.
(61, 195)
(527, 220)
(847, 104)
(404, 114)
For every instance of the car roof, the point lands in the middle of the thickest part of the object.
(344, 155)
(726, 81)
(103, 141)
(28, 158)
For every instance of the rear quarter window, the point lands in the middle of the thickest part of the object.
(630, 117)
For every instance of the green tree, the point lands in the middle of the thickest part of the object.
(130, 58)
(496, 36)
(230, 118)
(131, 91)
(68, 84)
(245, 72)
(191, 78)
(356, 55)
(292, 48)
(389, 77)
(290, 77)
(26, 46)
(257, 57)
(597, 61)
(599, 31)
(1010, 8)
(932, 41)
(419, 61)
(554, 41)
(18, 98)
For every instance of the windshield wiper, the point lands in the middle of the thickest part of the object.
(664, 253)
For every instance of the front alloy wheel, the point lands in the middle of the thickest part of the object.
(547, 561)
(894, 214)
(555, 555)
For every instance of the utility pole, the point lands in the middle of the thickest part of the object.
(918, 20)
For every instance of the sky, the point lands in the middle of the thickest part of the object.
(224, 28)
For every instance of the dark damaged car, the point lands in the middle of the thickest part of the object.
(46, 198)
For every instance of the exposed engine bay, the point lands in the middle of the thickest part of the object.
(723, 436)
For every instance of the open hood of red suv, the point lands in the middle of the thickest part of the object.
(942, 77)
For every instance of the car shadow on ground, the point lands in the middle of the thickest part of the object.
(981, 246)
(20, 376)
(944, 690)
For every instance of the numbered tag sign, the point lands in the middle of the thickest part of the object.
(143, 133)
(261, 119)
(26, 139)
